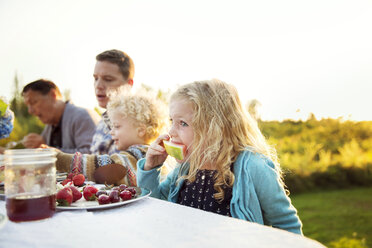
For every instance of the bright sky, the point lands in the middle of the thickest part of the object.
(294, 56)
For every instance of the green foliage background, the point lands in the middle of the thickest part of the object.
(327, 153)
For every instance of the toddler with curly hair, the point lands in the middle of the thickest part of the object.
(136, 119)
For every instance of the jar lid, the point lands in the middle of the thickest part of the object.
(30, 151)
(29, 156)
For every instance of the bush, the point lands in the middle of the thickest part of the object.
(345, 242)
(335, 177)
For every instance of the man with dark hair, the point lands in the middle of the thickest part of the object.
(68, 128)
(113, 69)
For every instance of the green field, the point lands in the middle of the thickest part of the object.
(340, 218)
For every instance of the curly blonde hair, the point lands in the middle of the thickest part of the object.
(222, 129)
(142, 107)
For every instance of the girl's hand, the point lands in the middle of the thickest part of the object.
(156, 153)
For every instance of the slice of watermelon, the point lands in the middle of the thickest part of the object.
(175, 150)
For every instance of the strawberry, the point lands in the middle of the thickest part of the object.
(76, 194)
(64, 197)
(70, 175)
(89, 193)
(78, 180)
(66, 181)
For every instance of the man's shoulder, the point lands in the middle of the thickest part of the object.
(70, 107)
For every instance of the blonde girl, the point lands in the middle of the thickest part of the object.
(228, 167)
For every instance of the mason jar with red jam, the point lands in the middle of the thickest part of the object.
(30, 184)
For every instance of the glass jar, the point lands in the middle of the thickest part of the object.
(30, 184)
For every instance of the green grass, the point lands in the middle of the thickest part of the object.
(342, 216)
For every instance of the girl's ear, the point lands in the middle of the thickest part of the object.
(141, 131)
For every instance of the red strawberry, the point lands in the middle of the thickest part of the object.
(66, 181)
(76, 194)
(78, 180)
(70, 175)
(89, 193)
(64, 197)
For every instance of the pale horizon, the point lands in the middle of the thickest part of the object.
(294, 57)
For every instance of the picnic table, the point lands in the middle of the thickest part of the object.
(149, 222)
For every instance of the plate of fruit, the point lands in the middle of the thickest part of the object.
(77, 196)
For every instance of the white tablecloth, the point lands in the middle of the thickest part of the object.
(145, 223)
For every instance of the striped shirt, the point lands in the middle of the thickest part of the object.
(102, 142)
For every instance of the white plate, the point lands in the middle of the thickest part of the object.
(81, 204)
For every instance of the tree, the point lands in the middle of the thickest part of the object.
(17, 104)
(160, 94)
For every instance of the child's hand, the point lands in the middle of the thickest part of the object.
(156, 153)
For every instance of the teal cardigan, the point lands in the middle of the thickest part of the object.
(258, 196)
